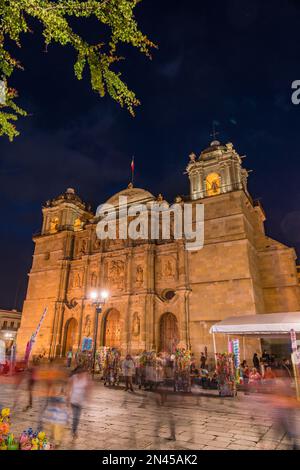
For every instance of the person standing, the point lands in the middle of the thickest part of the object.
(203, 361)
(79, 391)
(69, 358)
(256, 362)
(128, 367)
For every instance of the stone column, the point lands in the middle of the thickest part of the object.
(128, 289)
(201, 184)
(228, 178)
(238, 175)
(150, 314)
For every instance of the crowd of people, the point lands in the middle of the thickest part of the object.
(61, 391)
(264, 371)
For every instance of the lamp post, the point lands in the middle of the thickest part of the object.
(98, 300)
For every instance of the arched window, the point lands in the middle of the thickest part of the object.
(213, 184)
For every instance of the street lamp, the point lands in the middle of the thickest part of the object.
(98, 299)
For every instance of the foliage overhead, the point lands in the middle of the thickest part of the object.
(55, 17)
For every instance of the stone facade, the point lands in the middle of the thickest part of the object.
(161, 294)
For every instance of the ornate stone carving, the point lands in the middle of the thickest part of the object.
(71, 303)
(96, 242)
(136, 324)
(83, 246)
(54, 225)
(139, 275)
(75, 280)
(115, 274)
(78, 224)
(166, 268)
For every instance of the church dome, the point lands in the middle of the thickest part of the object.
(134, 196)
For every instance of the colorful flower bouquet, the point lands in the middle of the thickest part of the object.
(29, 440)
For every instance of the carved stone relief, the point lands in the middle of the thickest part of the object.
(75, 279)
(115, 273)
(166, 268)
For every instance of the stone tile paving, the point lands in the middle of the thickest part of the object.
(115, 419)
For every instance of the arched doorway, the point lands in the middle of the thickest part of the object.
(112, 329)
(169, 336)
(71, 329)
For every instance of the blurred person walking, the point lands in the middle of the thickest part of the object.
(285, 408)
(31, 381)
(79, 392)
(56, 414)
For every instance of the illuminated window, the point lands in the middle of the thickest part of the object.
(213, 184)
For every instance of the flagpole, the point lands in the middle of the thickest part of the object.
(33, 337)
(132, 170)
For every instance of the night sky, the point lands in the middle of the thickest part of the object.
(229, 61)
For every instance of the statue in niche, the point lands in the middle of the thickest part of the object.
(139, 275)
(136, 324)
(97, 243)
(83, 247)
(77, 280)
(77, 224)
(168, 269)
(87, 326)
(94, 280)
(54, 225)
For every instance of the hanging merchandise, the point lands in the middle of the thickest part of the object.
(182, 377)
(226, 375)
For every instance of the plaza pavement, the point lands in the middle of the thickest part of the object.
(115, 419)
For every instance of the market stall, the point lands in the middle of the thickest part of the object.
(272, 325)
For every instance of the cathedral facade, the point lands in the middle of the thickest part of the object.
(161, 295)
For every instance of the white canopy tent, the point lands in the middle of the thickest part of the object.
(270, 325)
(259, 325)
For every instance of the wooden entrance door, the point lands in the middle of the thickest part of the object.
(169, 336)
(70, 335)
(112, 330)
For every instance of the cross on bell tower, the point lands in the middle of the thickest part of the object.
(214, 133)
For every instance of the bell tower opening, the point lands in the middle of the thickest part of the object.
(213, 184)
(217, 170)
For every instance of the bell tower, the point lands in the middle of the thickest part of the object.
(65, 212)
(217, 170)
